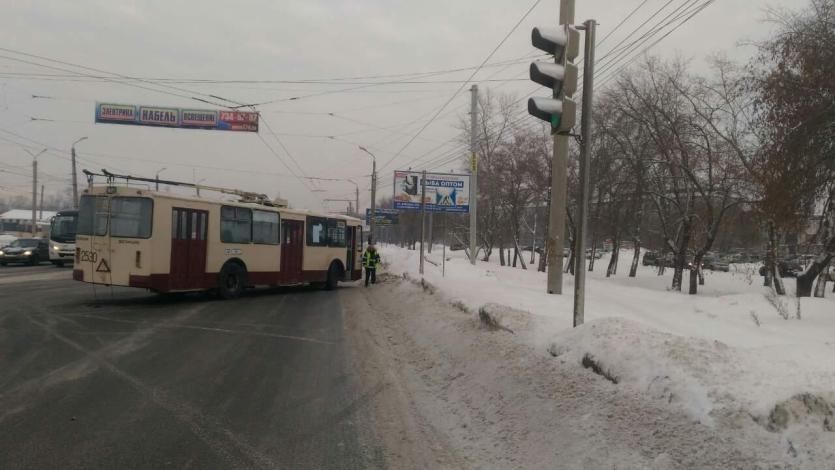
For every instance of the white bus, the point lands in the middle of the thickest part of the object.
(62, 237)
(136, 237)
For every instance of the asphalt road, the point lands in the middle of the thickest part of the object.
(121, 378)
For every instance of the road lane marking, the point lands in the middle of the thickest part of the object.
(208, 429)
(206, 328)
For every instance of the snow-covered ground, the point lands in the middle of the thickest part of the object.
(732, 356)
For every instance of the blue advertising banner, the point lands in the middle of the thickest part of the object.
(156, 116)
(384, 217)
(445, 192)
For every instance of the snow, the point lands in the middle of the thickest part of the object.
(725, 356)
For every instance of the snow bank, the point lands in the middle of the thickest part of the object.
(725, 356)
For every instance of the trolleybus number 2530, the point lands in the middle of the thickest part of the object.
(167, 242)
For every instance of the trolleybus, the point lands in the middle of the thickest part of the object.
(130, 235)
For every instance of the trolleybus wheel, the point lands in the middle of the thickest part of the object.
(333, 277)
(231, 281)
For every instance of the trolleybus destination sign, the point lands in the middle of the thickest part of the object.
(184, 118)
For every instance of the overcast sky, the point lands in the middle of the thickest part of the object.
(286, 40)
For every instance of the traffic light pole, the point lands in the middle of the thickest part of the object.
(556, 225)
(590, 27)
(556, 217)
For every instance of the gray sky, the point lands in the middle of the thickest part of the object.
(293, 40)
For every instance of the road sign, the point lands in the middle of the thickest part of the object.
(156, 116)
(445, 192)
(383, 217)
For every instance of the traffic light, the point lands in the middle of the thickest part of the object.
(560, 76)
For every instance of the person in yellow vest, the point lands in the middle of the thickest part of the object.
(371, 261)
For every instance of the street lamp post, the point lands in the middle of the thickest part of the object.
(74, 172)
(373, 192)
(158, 172)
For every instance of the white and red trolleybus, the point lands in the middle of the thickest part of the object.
(130, 235)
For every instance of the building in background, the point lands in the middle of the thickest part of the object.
(18, 222)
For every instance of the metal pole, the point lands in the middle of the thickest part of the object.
(34, 195)
(357, 204)
(431, 234)
(41, 216)
(422, 216)
(74, 180)
(473, 173)
(443, 251)
(585, 161)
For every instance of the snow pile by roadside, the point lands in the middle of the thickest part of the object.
(713, 382)
(727, 357)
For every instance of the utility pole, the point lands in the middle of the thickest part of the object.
(34, 188)
(590, 27)
(473, 172)
(422, 216)
(373, 198)
(357, 203)
(373, 222)
(74, 177)
(34, 195)
(41, 216)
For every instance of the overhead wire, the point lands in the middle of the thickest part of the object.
(454, 95)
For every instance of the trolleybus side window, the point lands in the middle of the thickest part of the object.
(131, 217)
(336, 232)
(235, 224)
(317, 231)
(265, 227)
(92, 215)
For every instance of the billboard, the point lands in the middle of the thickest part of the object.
(384, 217)
(445, 192)
(183, 118)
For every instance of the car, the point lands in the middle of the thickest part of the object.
(714, 262)
(456, 246)
(787, 267)
(6, 239)
(650, 259)
(25, 250)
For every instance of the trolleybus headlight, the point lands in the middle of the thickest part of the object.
(27, 253)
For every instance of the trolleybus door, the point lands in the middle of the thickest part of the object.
(188, 248)
(350, 237)
(292, 244)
